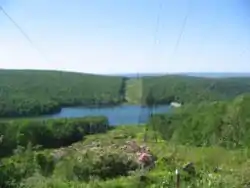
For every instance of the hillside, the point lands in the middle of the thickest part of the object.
(187, 89)
(31, 92)
(50, 133)
(102, 161)
(225, 124)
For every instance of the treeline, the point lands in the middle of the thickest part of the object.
(31, 92)
(187, 89)
(225, 124)
(51, 133)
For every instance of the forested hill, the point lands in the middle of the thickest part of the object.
(224, 123)
(188, 89)
(31, 92)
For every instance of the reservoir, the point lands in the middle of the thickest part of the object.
(119, 115)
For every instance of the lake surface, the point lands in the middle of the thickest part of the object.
(119, 115)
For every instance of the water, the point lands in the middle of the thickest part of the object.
(119, 115)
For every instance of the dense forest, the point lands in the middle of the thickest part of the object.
(220, 123)
(51, 133)
(187, 89)
(30, 92)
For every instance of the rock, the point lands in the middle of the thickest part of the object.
(189, 168)
(217, 169)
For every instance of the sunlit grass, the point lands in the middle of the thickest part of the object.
(134, 91)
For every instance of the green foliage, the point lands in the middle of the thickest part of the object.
(14, 169)
(134, 90)
(100, 160)
(31, 93)
(46, 163)
(106, 166)
(51, 133)
(83, 167)
(216, 123)
(187, 89)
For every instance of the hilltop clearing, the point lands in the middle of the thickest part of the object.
(134, 91)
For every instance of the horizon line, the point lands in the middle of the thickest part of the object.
(119, 73)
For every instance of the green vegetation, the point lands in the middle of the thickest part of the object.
(225, 124)
(102, 160)
(98, 160)
(211, 130)
(52, 133)
(31, 93)
(187, 89)
(134, 90)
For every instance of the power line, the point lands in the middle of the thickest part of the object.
(151, 106)
(175, 48)
(157, 22)
(22, 32)
(183, 27)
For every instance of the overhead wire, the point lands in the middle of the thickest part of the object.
(25, 35)
(183, 27)
(157, 23)
(176, 47)
(151, 107)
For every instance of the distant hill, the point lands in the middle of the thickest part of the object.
(34, 92)
(135, 75)
(195, 74)
(37, 92)
(218, 74)
(191, 89)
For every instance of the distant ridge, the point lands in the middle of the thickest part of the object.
(219, 74)
(135, 75)
(195, 74)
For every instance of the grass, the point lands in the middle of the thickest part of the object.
(134, 91)
(233, 165)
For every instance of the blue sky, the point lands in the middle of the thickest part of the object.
(118, 36)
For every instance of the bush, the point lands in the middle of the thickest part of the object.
(103, 166)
